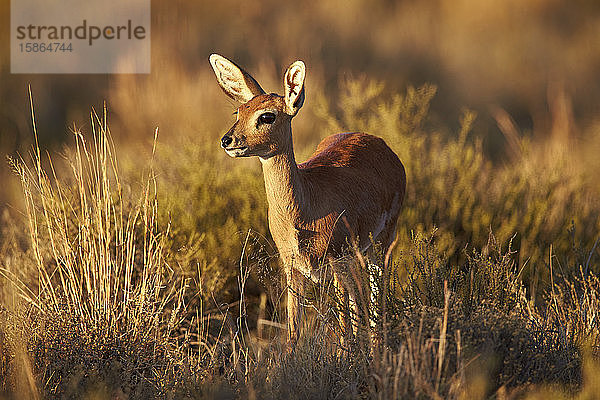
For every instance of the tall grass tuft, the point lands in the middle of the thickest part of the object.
(100, 317)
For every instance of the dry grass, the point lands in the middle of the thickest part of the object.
(99, 315)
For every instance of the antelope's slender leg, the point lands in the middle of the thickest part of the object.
(343, 309)
(295, 307)
(359, 298)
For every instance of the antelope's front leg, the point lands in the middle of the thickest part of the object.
(295, 307)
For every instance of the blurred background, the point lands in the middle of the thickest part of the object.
(529, 71)
(534, 59)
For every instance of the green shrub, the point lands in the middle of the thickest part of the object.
(452, 186)
(212, 204)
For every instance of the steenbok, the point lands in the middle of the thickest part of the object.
(350, 191)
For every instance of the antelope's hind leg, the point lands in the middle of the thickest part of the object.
(344, 314)
(352, 299)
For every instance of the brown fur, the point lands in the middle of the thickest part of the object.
(351, 188)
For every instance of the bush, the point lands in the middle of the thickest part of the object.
(535, 196)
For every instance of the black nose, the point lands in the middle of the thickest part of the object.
(226, 141)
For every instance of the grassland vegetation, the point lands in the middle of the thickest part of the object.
(158, 279)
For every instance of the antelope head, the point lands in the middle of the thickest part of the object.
(263, 124)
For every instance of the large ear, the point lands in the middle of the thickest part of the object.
(293, 83)
(235, 82)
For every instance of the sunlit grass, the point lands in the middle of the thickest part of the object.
(103, 291)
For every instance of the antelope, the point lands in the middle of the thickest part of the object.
(352, 177)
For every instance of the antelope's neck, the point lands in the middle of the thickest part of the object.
(283, 184)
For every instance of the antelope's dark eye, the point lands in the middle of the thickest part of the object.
(266, 118)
